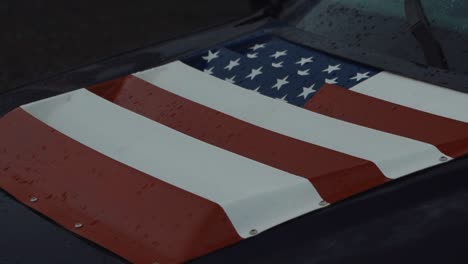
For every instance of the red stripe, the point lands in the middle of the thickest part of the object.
(133, 214)
(450, 136)
(335, 175)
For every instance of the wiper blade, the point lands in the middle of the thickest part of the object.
(420, 28)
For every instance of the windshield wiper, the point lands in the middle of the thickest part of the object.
(419, 27)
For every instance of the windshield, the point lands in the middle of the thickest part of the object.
(381, 27)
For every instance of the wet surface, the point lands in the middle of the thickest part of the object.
(421, 219)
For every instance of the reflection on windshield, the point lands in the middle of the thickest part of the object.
(447, 14)
(380, 27)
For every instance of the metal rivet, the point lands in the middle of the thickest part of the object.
(323, 203)
(443, 158)
(33, 199)
(253, 232)
(78, 225)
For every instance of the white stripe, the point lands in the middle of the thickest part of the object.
(396, 156)
(253, 195)
(417, 95)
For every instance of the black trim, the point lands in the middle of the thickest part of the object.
(419, 26)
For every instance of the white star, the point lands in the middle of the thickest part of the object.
(303, 73)
(230, 80)
(360, 76)
(209, 71)
(277, 65)
(211, 56)
(304, 61)
(306, 91)
(331, 81)
(257, 90)
(280, 83)
(257, 46)
(283, 99)
(333, 68)
(252, 55)
(232, 64)
(254, 73)
(279, 54)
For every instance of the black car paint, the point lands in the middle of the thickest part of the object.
(419, 218)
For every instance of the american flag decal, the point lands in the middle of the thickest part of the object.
(172, 163)
(279, 69)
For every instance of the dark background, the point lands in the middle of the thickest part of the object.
(40, 38)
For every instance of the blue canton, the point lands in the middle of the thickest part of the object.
(278, 68)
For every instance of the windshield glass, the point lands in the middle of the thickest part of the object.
(381, 27)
